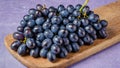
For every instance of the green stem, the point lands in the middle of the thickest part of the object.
(85, 3)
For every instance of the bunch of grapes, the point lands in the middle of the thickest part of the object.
(55, 32)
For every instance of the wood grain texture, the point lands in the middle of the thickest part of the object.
(109, 12)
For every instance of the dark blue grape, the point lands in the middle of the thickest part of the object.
(97, 26)
(64, 13)
(30, 42)
(68, 48)
(45, 11)
(65, 21)
(66, 41)
(57, 40)
(102, 33)
(14, 46)
(37, 29)
(71, 18)
(89, 29)
(73, 37)
(22, 50)
(28, 33)
(31, 23)
(26, 17)
(27, 28)
(51, 56)
(43, 52)
(32, 11)
(38, 43)
(48, 34)
(60, 8)
(40, 36)
(40, 21)
(80, 42)
(81, 32)
(31, 16)
(63, 52)
(35, 52)
(51, 14)
(86, 9)
(46, 25)
(87, 40)
(52, 9)
(55, 49)
(90, 12)
(56, 20)
(63, 33)
(104, 23)
(70, 8)
(93, 18)
(46, 43)
(23, 23)
(71, 27)
(39, 7)
(76, 13)
(18, 36)
(84, 22)
(54, 28)
(75, 47)
(20, 28)
(77, 22)
(78, 6)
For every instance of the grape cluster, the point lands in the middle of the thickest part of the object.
(55, 32)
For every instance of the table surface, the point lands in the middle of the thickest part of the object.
(12, 11)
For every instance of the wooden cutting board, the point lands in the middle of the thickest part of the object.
(109, 12)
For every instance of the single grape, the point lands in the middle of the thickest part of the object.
(76, 13)
(43, 52)
(56, 20)
(32, 11)
(81, 32)
(30, 42)
(31, 23)
(104, 23)
(71, 27)
(18, 36)
(55, 49)
(57, 40)
(70, 8)
(75, 47)
(73, 37)
(40, 37)
(51, 56)
(63, 33)
(46, 43)
(15, 45)
(78, 6)
(48, 34)
(34, 52)
(40, 21)
(37, 29)
(22, 50)
(23, 23)
(20, 29)
(64, 13)
(77, 22)
(39, 7)
(60, 8)
(28, 33)
(54, 28)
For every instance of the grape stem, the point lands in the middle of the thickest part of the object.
(85, 3)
